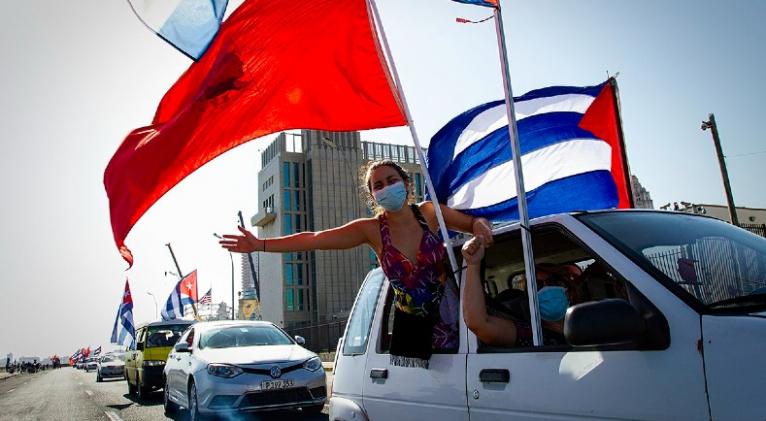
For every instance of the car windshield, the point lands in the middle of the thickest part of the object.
(111, 358)
(237, 336)
(164, 335)
(720, 265)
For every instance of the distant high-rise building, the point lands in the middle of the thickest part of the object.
(641, 197)
(310, 182)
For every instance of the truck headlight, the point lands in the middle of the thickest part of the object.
(153, 363)
(224, 370)
(313, 364)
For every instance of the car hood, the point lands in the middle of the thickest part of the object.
(256, 354)
(113, 364)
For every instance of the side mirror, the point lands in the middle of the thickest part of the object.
(182, 347)
(300, 340)
(611, 321)
(140, 346)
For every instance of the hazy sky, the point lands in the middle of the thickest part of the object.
(77, 76)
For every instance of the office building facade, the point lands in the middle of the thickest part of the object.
(311, 182)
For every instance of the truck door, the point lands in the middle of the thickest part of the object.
(659, 376)
(412, 393)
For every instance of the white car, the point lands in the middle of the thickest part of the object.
(669, 323)
(225, 367)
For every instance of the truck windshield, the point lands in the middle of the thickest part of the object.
(720, 265)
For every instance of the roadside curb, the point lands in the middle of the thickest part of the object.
(327, 366)
(4, 376)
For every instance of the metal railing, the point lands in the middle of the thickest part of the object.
(757, 229)
(321, 337)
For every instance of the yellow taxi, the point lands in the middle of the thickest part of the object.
(144, 365)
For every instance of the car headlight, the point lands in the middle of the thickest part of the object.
(153, 363)
(224, 370)
(313, 364)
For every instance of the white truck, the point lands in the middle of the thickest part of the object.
(669, 323)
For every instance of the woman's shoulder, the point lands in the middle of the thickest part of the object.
(427, 210)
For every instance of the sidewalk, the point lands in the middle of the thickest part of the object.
(4, 375)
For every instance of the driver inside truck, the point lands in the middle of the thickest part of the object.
(555, 293)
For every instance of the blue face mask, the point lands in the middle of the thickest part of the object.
(553, 303)
(391, 198)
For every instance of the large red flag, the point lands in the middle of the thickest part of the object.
(275, 65)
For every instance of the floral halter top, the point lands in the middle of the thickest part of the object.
(418, 286)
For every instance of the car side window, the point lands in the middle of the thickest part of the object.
(359, 325)
(560, 262)
(141, 336)
(189, 337)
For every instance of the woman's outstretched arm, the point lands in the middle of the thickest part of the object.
(354, 233)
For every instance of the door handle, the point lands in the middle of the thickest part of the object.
(378, 373)
(495, 375)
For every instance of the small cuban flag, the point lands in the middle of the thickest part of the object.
(486, 3)
(572, 155)
(188, 25)
(184, 294)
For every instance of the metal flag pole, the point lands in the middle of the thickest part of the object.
(415, 139)
(182, 276)
(526, 235)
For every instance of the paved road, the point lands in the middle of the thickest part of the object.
(69, 394)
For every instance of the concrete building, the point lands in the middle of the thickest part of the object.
(641, 197)
(746, 216)
(310, 182)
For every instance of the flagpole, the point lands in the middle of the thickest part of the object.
(521, 196)
(415, 139)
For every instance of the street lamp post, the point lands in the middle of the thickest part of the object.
(232, 277)
(156, 313)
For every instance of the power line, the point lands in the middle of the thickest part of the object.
(745, 154)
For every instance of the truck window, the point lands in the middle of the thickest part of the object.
(358, 330)
(560, 261)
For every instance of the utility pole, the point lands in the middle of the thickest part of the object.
(711, 124)
(181, 275)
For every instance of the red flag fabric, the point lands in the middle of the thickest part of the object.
(274, 65)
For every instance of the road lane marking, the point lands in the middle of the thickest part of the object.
(112, 416)
(80, 383)
(11, 390)
(89, 392)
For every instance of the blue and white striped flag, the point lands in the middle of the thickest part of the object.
(572, 155)
(124, 332)
(184, 294)
(188, 25)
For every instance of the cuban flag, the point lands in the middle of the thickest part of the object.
(486, 3)
(572, 155)
(124, 332)
(188, 25)
(184, 294)
(97, 351)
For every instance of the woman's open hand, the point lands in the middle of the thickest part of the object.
(473, 251)
(245, 243)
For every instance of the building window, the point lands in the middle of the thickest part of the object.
(287, 225)
(418, 186)
(299, 273)
(288, 274)
(296, 174)
(298, 223)
(297, 200)
(285, 174)
(289, 299)
(286, 200)
(300, 300)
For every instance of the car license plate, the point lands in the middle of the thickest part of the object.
(276, 384)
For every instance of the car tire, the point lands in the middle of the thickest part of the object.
(131, 388)
(169, 406)
(99, 379)
(194, 414)
(142, 393)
